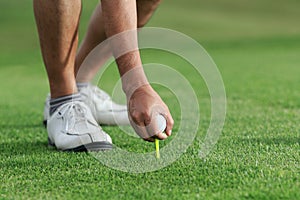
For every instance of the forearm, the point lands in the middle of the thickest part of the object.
(121, 17)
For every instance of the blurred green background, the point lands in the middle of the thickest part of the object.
(256, 46)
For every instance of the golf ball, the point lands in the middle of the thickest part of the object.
(161, 123)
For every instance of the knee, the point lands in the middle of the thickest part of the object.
(141, 23)
(150, 4)
(154, 3)
(145, 10)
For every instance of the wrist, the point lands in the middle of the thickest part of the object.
(134, 79)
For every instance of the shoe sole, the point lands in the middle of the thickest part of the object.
(95, 146)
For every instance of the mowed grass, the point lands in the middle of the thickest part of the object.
(256, 46)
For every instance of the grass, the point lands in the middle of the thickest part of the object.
(256, 46)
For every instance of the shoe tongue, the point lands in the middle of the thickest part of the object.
(79, 124)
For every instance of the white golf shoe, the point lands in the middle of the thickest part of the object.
(73, 128)
(104, 110)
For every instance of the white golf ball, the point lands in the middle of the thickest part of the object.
(161, 123)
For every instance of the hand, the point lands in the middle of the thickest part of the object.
(143, 107)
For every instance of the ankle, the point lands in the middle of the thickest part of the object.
(55, 103)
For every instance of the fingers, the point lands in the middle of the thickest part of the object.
(148, 127)
(161, 125)
(149, 115)
(161, 136)
(170, 123)
(138, 124)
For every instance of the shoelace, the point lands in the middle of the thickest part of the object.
(75, 115)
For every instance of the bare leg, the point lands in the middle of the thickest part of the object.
(145, 10)
(57, 22)
(96, 34)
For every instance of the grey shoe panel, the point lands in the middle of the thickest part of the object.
(95, 146)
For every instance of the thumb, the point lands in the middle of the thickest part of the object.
(170, 123)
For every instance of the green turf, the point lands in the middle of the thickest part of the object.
(256, 45)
